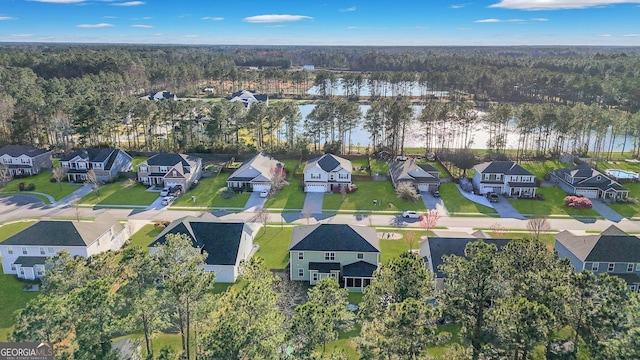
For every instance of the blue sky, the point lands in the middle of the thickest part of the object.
(300, 22)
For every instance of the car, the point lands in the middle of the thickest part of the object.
(264, 194)
(435, 193)
(410, 214)
(167, 200)
(164, 191)
(175, 190)
(493, 197)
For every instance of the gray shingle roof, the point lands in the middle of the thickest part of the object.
(360, 269)
(329, 162)
(501, 167)
(17, 150)
(334, 237)
(440, 246)
(324, 267)
(260, 164)
(410, 171)
(586, 177)
(612, 245)
(30, 261)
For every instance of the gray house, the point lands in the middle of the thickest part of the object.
(170, 169)
(23, 160)
(255, 174)
(504, 177)
(327, 172)
(106, 163)
(423, 177)
(613, 251)
(348, 253)
(588, 182)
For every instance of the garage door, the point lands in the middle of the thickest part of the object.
(171, 184)
(315, 188)
(592, 194)
(423, 187)
(261, 187)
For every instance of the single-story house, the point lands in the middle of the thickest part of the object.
(248, 97)
(423, 177)
(588, 182)
(348, 253)
(170, 169)
(25, 160)
(504, 177)
(324, 173)
(256, 174)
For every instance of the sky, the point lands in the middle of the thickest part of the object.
(333, 22)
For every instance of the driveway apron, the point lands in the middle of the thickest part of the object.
(506, 210)
(433, 203)
(313, 203)
(255, 201)
(605, 211)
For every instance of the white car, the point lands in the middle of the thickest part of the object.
(409, 214)
(167, 200)
(164, 191)
(264, 194)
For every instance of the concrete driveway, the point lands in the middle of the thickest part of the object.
(156, 204)
(434, 203)
(478, 199)
(255, 201)
(506, 210)
(605, 211)
(313, 203)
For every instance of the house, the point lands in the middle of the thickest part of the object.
(613, 251)
(25, 253)
(308, 67)
(256, 174)
(433, 248)
(170, 169)
(225, 243)
(588, 182)
(423, 177)
(504, 177)
(163, 95)
(349, 253)
(324, 173)
(248, 97)
(106, 163)
(24, 160)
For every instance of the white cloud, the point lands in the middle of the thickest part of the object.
(22, 35)
(213, 18)
(349, 9)
(109, 17)
(191, 36)
(143, 26)
(540, 19)
(275, 18)
(94, 26)
(557, 4)
(5, 18)
(459, 6)
(500, 21)
(129, 3)
(631, 35)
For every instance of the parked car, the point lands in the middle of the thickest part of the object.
(410, 214)
(435, 193)
(493, 197)
(167, 200)
(164, 191)
(175, 190)
(264, 194)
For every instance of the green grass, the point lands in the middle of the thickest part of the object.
(629, 210)
(291, 196)
(9, 230)
(120, 193)
(161, 340)
(553, 204)
(456, 203)
(618, 164)
(12, 299)
(143, 237)
(360, 164)
(379, 167)
(362, 199)
(43, 185)
(137, 160)
(274, 246)
(207, 194)
(541, 168)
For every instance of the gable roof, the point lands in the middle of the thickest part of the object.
(409, 171)
(612, 245)
(64, 233)
(171, 159)
(440, 246)
(17, 150)
(328, 163)
(247, 97)
(334, 237)
(501, 167)
(585, 176)
(257, 168)
(221, 240)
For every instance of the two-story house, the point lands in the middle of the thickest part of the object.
(423, 177)
(256, 174)
(24, 160)
(25, 253)
(588, 182)
(106, 164)
(504, 177)
(326, 172)
(349, 253)
(226, 243)
(170, 169)
(613, 251)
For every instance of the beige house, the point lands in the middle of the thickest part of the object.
(170, 169)
(324, 173)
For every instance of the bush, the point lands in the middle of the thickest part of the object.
(575, 202)
(443, 338)
(407, 192)
(21, 186)
(53, 180)
(31, 187)
(227, 193)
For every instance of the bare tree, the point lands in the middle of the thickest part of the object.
(92, 179)
(5, 175)
(498, 231)
(343, 192)
(307, 213)
(262, 216)
(537, 226)
(59, 173)
(278, 178)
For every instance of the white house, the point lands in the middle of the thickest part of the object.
(256, 174)
(23, 160)
(504, 177)
(25, 253)
(163, 95)
(326, 172)
(248, 97)
(225, 243)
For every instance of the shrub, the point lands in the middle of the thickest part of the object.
(575, 202)
(407, 192)
(53, 180)
(443, 338)
(31, 187)
(227, 193)
(21, 186)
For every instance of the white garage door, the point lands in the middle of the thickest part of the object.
(170, 184)
(261, 187)
(315, 188)
(592, 194)
(423, 187)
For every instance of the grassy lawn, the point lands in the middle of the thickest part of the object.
(11, 229)
(435, 164)
(143, 237)
(137, 160)
(121, 193)
(12, 299)
(622, 165)
(541, 168)
(207, 194)
(390, 249)
(439, 351)
(358, 164)
(362, 199)
(379, 167)
(629, 210)
(291, 196)
(161, 340)
(43, 185)
(553, 204)
(456, 203)
(274, 246)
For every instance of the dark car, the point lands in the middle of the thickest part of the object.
(493, 197)
(435, 193)
(175, 190)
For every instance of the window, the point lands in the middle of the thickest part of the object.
(39, 271)
(595, 266)
(630, 267)
(314, 276)
(300, 255)
(24, 250)
(10, 251)
(330, 256)
(611, 267)
(315, 176)
(638, 267)
(41, 251)
(13, 267)
(360, 256)
(143, 169)
(50, 250)
(174, 173)
(334, 275)
(300, 272)
(343, 176)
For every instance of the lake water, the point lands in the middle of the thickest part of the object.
(385, 89)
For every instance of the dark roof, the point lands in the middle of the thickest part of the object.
(324, 267)
(328, 162)
(168, 159)
(17, 150)
(360, 269)
(63, 233)
(94, 155)
(629, 278)
(502, 167)
(220, 240)
(521, 184)
(439, 246)
(334, 237)
(586, 177)
(428, 168)
(612, 245)
(30, 261)
(410, 171)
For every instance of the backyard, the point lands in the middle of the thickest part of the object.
(456, 203)
(541, 168)
(629, 210)
(12, 299)
(553, 204)
(126, 192)
(363, 199)
(379, 166)
(207, 194)
(274, 246)
(360, 166)
(143, 237)
(42, 184)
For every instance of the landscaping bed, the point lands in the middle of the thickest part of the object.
(553, 204)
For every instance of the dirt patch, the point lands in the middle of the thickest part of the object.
(389, 236)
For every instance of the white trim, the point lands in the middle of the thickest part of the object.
(595, 266)
(611, 267)
(630, 267)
